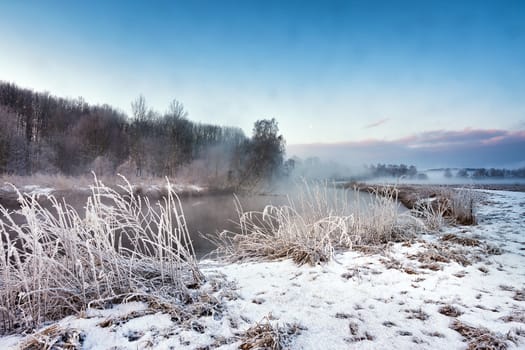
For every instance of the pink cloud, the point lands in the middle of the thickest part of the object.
(377, 123)
(452, 139)
(474, 147)
(493, 140)
(435, 138)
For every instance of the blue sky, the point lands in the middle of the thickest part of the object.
(331, 72)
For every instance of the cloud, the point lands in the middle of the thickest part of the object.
(453, 139)
(377, 123)
(460, 148)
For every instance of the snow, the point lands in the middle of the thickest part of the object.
(29, 189)
(196, 188)
(9, 342)
(178, 187)
(37, 190)
(394, 308)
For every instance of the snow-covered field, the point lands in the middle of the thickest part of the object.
(407, 296)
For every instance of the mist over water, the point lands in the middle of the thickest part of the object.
(437, 177)
(321, 169)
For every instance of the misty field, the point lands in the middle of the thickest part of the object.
(319, 266)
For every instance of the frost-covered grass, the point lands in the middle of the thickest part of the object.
(56, 262)
(462, 287)
(445, 205)
(437, 205)
(315, 224)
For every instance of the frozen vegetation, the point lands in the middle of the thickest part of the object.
(312, 274)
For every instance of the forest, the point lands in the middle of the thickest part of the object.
(42, 133)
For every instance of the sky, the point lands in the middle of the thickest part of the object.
(431, 83)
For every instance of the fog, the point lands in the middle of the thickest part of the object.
(315, 168)
(437, 177)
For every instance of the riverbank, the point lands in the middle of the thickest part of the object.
(462, 286)
(517, 187)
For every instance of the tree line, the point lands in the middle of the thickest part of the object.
(392, 170)
(42, 133)
(479, 173)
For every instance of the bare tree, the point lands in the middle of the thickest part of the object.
(139, 109)
(176, 110)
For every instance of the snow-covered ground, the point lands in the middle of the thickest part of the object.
(39, 190)
(405, 297)
(29, 189)
(36, 190)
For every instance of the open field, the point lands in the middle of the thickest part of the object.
(451, 287)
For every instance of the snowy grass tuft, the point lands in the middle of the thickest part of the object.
(314, 225)
(479, 338)
(53, 337)
(448, 206)
(58, 262)
(264, 335)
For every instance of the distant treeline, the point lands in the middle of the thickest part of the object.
(43, 133)
(484, 173)
(393, 170)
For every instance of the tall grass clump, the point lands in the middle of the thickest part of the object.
(463, 202)
(447, 205)
(378, 219)
(55, 262)
(316, 222)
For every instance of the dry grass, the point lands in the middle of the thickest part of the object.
(519, 295)
(316, 223)
(479, 338)
(515, 316)
(436, 253)
(58, 262)
(444, 205)
(53, 337)
(450, 311)
(264, 335)
(463, 205)
(466, 241)
(356, 335)
(438, 205)
(418, 314)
